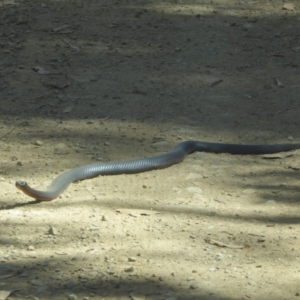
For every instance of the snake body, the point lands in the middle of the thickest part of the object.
(60, 183)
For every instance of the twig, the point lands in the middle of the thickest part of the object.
(221, 244)
(8, 132)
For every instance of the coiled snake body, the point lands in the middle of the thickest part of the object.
(60, 183)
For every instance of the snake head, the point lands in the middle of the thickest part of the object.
(21, 184)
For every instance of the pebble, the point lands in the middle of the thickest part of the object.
(37, 282)
(190, 278)
(130, 269)
(38, 143)
(104, 218)
(261, 239)
(247, 26)
(219, 256)
(72, 297)
(52, 230)
(193, 286)
(132, 259)
(78, 256)
(31, 248)
(271, 202)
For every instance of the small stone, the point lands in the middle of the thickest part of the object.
(38, 143)
(271, 202)
(193, 286)
(37, 282)
(104, 218)
(288, 6)
(52, 230)
(72, 297)
(78, 256)
(128, 270)
(31, 248)
(219, 256)
(132, 259)
(190, 278)
(247, 26)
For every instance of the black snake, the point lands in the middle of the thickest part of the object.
(60, 183)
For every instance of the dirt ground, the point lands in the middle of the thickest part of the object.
(99, 80)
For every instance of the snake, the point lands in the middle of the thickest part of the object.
(165, 160)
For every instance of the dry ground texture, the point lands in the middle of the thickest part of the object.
(107, 80)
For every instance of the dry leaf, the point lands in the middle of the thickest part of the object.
(60, 28)
(68, 109)
(279, 83)
(215, 81)
(40, 70)
(288, 6)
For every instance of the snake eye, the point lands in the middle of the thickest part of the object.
(21, 183)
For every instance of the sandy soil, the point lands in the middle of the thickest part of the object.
(87, 81)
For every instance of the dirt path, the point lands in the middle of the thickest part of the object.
(86, 81)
